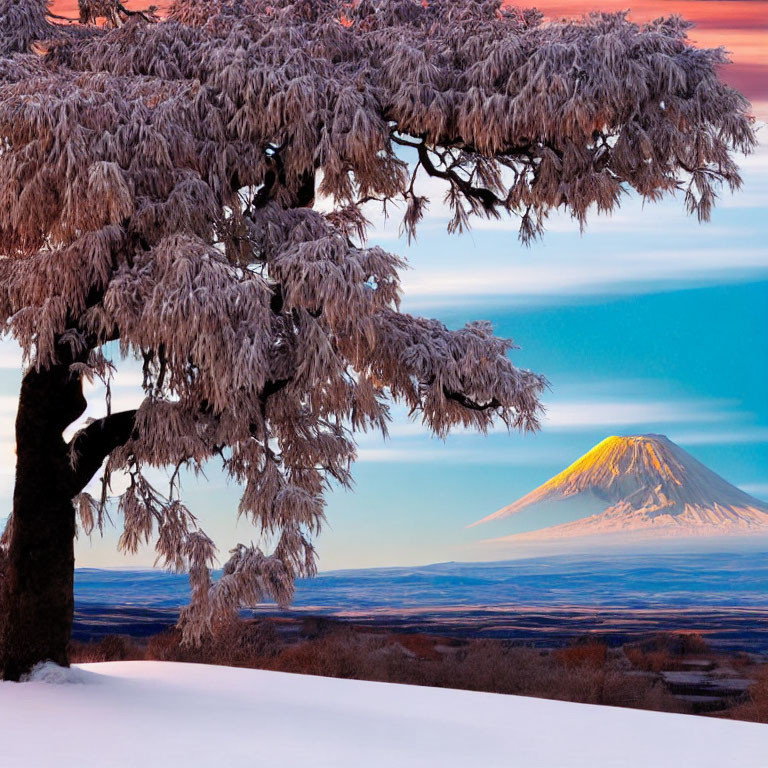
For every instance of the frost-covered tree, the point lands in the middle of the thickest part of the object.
(157, 182)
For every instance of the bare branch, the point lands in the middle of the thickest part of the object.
(93, 444)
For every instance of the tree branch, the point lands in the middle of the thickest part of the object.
(148, 14)
(466, 402)
(90, 446)
(487, 198)
(52, 15)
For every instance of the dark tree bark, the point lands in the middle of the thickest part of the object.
(39, 570)
(37, 600)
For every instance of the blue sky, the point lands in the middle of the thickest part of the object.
(648, 322)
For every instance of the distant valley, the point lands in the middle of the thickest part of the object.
(539, 600)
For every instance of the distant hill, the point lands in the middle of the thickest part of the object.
(641, 486)
(638, 580)
(541, 600)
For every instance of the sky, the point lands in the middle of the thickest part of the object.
(646, 322)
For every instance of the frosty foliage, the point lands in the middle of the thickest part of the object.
(156, 191)
(23, 22)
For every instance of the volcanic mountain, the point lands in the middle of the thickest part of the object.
(643, 485)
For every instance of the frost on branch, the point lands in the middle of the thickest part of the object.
(157, 184)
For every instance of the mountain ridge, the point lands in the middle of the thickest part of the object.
(642, 484)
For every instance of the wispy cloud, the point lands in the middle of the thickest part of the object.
(400, 455)
(10, 355)
(579, 414)
(7, 468)
(745, 435)
(567, 276)
(485, 452)
(759, 490)
(595, 411)
(410, 441)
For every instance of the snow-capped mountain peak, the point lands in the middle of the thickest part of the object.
(644, 482)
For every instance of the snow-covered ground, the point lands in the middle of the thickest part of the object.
(145, 714)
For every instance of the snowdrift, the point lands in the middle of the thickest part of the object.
(143, 714)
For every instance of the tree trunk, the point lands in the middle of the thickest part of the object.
(38, 597)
